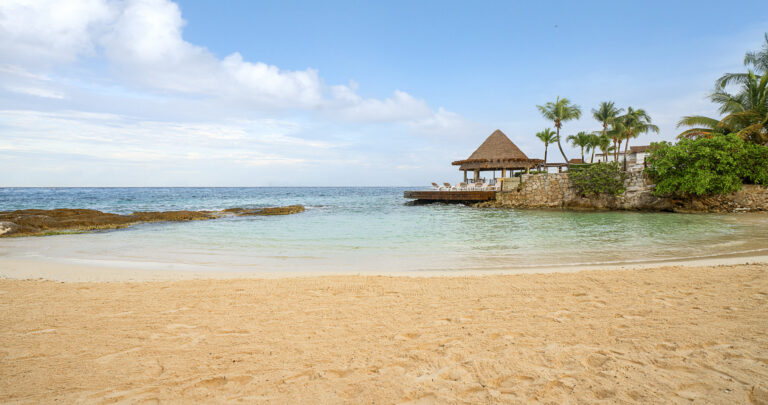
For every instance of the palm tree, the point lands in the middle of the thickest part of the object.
(758, 62)
(547, 136)
(558, 112)
(605, 113)
(635, 122)
(617, 133)
(702, 127)
(593, 144)
(580, 140)
(604, 143)
(746, 111)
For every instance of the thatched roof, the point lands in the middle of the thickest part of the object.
(639, 149)
(495, 153)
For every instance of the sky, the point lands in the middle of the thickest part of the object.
(334, 93)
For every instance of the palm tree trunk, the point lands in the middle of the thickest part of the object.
(592, 159)
(546, 146)
(626, 146)
(616, 152)
(560, 146)
(582, 154)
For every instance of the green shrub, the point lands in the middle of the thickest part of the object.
(754, 166)
(706, 166)
(598, 178)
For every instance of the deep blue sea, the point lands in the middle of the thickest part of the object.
(354, 229)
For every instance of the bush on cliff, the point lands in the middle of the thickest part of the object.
(598, 178)
(706, 166)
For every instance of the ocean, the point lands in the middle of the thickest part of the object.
(370, 229)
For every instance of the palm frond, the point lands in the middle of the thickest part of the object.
(692, 120)
(759, 59)
(695, 133)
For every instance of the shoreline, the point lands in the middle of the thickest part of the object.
(72, 271)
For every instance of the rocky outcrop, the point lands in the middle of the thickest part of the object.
(35, 222)
(555, 190)
(287, 210)
(7, 227)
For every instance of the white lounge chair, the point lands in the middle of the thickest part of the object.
(487, 187)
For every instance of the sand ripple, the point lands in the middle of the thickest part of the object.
(669, 335)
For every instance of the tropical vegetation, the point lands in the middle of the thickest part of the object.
(606, 113)
(560, 111)
(712, 155)
(603, 142)
(706, 166)
(547, 136)
(618, 128)
(581, 140)
(634, 123)
(599, 178)
(742, 100)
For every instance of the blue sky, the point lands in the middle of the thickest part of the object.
(245, 93)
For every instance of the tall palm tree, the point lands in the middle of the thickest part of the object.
(635, 123)
(580, 140)
(547, 136)
(746, 111)
(605, 113)
(558, 112)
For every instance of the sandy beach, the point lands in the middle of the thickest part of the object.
(663, 335)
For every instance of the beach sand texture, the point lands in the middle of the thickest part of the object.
(666, 335)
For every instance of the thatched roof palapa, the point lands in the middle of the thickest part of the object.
(496, 153)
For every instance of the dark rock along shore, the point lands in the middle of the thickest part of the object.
(34, 222)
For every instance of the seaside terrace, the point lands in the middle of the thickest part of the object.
(496, 153)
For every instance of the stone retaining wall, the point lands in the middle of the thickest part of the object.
(555, 190)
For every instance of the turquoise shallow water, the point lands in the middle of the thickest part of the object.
(370, 229)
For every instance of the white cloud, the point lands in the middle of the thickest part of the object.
(115, 137)
(400, 107)
(143, 42)
(35, 91)
(109, 92)
(446, 124)
(49, 31)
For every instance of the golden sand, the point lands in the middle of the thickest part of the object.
(666, 335)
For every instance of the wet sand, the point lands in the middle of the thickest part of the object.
(663, 335)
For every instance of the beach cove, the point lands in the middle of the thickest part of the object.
(338, 203)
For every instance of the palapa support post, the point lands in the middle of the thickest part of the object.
(503, 173)
(477, 175)
(465, 176)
